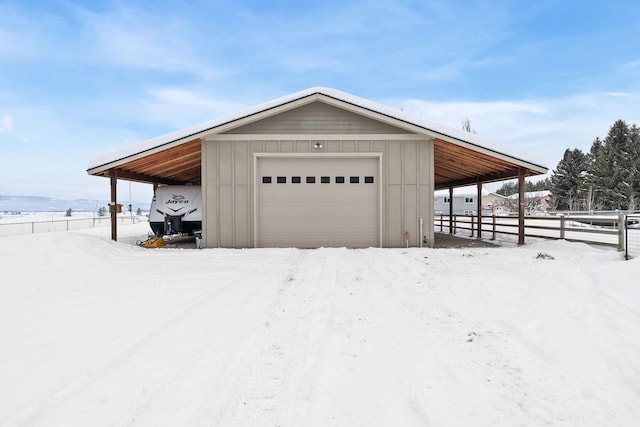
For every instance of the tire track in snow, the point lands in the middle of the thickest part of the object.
(481, 358)
(295, 326)
(74, 393)
(246, 393)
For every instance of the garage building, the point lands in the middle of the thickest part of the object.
(317, 168)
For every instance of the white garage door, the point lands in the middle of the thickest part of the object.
(315, 202)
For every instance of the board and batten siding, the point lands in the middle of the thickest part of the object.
(228, 186)
(228, 171)
(317, 118)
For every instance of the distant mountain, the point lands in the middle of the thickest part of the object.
(48, 204)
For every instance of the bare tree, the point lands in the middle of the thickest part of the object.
(466, 125)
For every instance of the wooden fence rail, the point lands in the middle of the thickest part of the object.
(605, 230)
(61, 224)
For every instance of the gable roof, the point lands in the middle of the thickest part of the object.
(460, 157)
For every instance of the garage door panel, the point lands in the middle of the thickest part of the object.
(309, 239)
(292, 212)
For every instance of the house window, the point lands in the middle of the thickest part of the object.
(468, 199)
(311, 180)
(368, 180)
(266, 180)
(446, 200)
(354, 180)
(325, 180)
(295, 180)
(282, 180)
(339, 179)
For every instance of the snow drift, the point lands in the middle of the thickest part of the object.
(99, 333)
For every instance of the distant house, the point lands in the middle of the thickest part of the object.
(463, 204)
(467, 204)
(495, 204)
(535, 202)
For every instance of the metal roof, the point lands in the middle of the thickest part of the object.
(460, 157)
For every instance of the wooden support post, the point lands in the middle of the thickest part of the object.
(451, 231)
(113, 175)
(521, 174)
(479, 210)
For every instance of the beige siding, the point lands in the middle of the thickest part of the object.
(317, 118)
(228, 171)
(228, 168)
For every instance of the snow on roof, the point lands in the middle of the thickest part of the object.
(210, 126)
(532, 194)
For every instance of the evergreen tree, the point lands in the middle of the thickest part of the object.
(634, 158)
(511, 187)
(541, 185)
(567, 180)
(606, 178)
(507, 189)
(616, 167)
(596, 176)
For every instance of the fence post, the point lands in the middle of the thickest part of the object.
(441, 223)
(455, 223)
(621, 228)
(494, 228)
(472, 221)
(626, 239)
(562, 227)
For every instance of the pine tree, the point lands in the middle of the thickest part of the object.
(634, 167)
(619, 168)
(567, 180)
(508, 188)
(596, 176)
(606, 178)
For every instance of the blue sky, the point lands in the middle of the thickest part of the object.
(79, 79)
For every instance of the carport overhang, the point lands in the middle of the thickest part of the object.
(460, 158)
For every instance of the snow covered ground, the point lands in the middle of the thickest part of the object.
(14, 224)
(97, 333)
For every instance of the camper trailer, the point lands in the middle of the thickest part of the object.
(176, 209)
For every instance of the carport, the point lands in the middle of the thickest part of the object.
(459, 158)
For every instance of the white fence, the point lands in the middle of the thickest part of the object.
(57, 223)
(632, 236)
(600, 229)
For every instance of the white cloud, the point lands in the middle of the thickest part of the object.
(124, 36)
(6, 124)
(545, 127)
(178, 107)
